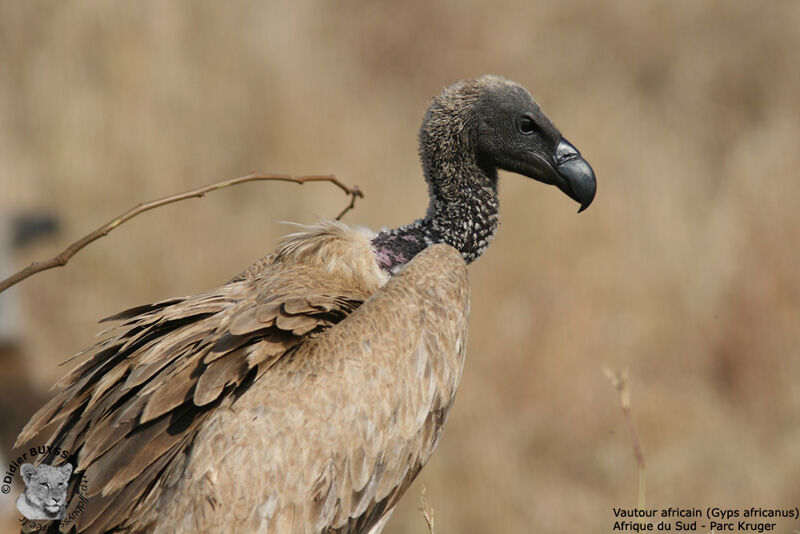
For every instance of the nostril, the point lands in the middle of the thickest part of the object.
(565, 151)
(565, 158)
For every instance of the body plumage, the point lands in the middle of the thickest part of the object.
(305, 394)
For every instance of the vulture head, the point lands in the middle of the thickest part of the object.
(492, 123)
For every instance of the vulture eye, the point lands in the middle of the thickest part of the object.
(526, 126)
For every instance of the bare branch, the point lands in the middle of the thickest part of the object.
(67, 253)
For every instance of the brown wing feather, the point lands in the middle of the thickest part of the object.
(135, 405)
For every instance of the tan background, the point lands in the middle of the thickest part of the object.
(686, 269)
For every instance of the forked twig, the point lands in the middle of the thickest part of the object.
(622, 385)
(67, 253)
(427, 513)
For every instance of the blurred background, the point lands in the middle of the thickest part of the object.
(685, 270)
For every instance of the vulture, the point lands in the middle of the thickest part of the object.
(307, 393)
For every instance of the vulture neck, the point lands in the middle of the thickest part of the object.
(463, 212)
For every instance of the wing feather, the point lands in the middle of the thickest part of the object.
(226, 371)
(129, 413)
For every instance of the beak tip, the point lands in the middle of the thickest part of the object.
(586, 202)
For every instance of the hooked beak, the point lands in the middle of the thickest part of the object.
(573, 175)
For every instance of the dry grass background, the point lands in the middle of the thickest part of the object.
(686, 269)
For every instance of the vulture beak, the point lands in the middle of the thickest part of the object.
(573, 175)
